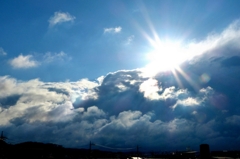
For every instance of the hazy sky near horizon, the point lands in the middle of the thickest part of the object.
(159, 74)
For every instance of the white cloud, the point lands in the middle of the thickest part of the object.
(150, 89)
(130, 39)
(50, 57)
(86, 89)
(184, 98)
(168, 93)
(215, 41)
(52, 101)
(187, 102)
(27, 61)
(23, 62)
(60, 17)
(121, 87)
(113, 30)
(100, 79)
(2, 52)
(93, 111)
(129, 118)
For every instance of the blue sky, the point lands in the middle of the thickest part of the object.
(88, 51)
(83, 70)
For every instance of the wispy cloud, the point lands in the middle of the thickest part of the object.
(50, 57)
(130, 39)
(23, 62)
(60, 17)
(2, 52)
(113, 30)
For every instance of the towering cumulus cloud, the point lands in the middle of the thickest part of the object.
(197, 103)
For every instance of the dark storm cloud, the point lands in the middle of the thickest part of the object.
(199, 103)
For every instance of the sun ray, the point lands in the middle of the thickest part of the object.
(168, 54)
(177, 78)
(190, 81)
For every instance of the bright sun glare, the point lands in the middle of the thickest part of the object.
(166, 55)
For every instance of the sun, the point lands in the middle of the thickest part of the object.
(165, 55)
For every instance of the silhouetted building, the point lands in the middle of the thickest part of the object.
(204, 151)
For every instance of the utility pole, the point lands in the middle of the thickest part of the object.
(2, 137)
(137, 151)
(90, 148)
